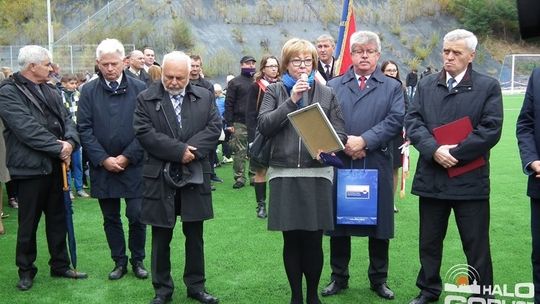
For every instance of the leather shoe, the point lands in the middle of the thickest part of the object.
(203, 297)
(333, 288)
(118, 272)
(424, 299)
(238, 185)
(70, 274)
(139, 271)
(24, 283)
(160, 300)
(383, 291)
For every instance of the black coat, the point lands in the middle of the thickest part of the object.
(105, 122)
(143, 76)
(164, 141)
(477, 96)
(528, 132)
(31, 146)
(237, 99)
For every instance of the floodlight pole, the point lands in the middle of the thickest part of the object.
(49, 27)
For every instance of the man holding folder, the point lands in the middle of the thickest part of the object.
(458, 97)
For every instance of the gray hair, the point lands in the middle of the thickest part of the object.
(32, 54)
(461, 34)
(177, 56)
(326, 37)
(110, 46)
(365, 37)
(135, 52)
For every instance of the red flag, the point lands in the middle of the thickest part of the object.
(344, 60)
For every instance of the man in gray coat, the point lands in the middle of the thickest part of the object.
(178, 126)
(454, 93)
(105, 121)
(373, 107)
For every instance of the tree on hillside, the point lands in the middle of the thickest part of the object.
(487, 17)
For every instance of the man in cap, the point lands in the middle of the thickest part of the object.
(178, 125)
(235, 116)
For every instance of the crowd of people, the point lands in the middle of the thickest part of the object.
(148, 133)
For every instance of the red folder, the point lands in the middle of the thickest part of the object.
(454, 133)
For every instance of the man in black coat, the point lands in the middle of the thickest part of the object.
(528, 124)
(105, 121)
(455, 93)
(325, 51)
(410, 83)
(236, 102)
(136, 67)
(39, 135)
(178, 126)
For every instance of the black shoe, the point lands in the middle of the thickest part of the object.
(139, 271)
(70, 274)
(117, 273)
(383, 291)
(261, 210)
(160, 300)
(423, 299)
(238, 185)
(25, 283)
(216, 179)
(333, 288)
(203, 297)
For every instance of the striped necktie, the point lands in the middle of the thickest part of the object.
(177, 105)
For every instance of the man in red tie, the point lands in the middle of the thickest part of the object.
(373, 108)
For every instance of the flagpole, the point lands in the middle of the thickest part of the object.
(342, 25)
(49, 27)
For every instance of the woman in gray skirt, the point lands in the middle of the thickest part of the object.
(300, 187)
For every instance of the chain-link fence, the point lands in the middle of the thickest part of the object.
(71, 58)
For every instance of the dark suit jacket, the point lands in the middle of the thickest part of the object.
(143, 76)
(322, 70)
(528, 132)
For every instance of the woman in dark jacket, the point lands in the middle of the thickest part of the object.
(300, 186)
(268, 73)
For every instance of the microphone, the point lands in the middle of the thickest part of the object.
(305, 94)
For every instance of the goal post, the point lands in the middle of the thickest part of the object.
(515, 72)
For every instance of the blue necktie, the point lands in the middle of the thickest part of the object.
(113, 85)
(451, 82)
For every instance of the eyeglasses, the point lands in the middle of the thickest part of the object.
(390, 70)
(298, 62)
(271, 66)
(362, 52)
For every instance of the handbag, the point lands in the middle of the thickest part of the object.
(259, 149)
(357, 196)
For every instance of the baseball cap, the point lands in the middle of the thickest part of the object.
(247, 58)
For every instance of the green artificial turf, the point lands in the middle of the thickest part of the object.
(243, 259)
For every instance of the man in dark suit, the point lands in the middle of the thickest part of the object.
(325, 51)
(373, 109)
(178, 126)
(105, 121)
(528, 137)
(456, 92)
(39, 136)
(136, 67)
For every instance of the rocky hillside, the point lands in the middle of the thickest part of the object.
(221, 31)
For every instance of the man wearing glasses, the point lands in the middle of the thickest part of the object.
(373, 108)
(40, 136)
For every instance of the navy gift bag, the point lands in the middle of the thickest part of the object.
(357, 196)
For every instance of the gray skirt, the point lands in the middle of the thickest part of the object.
(300, 203)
